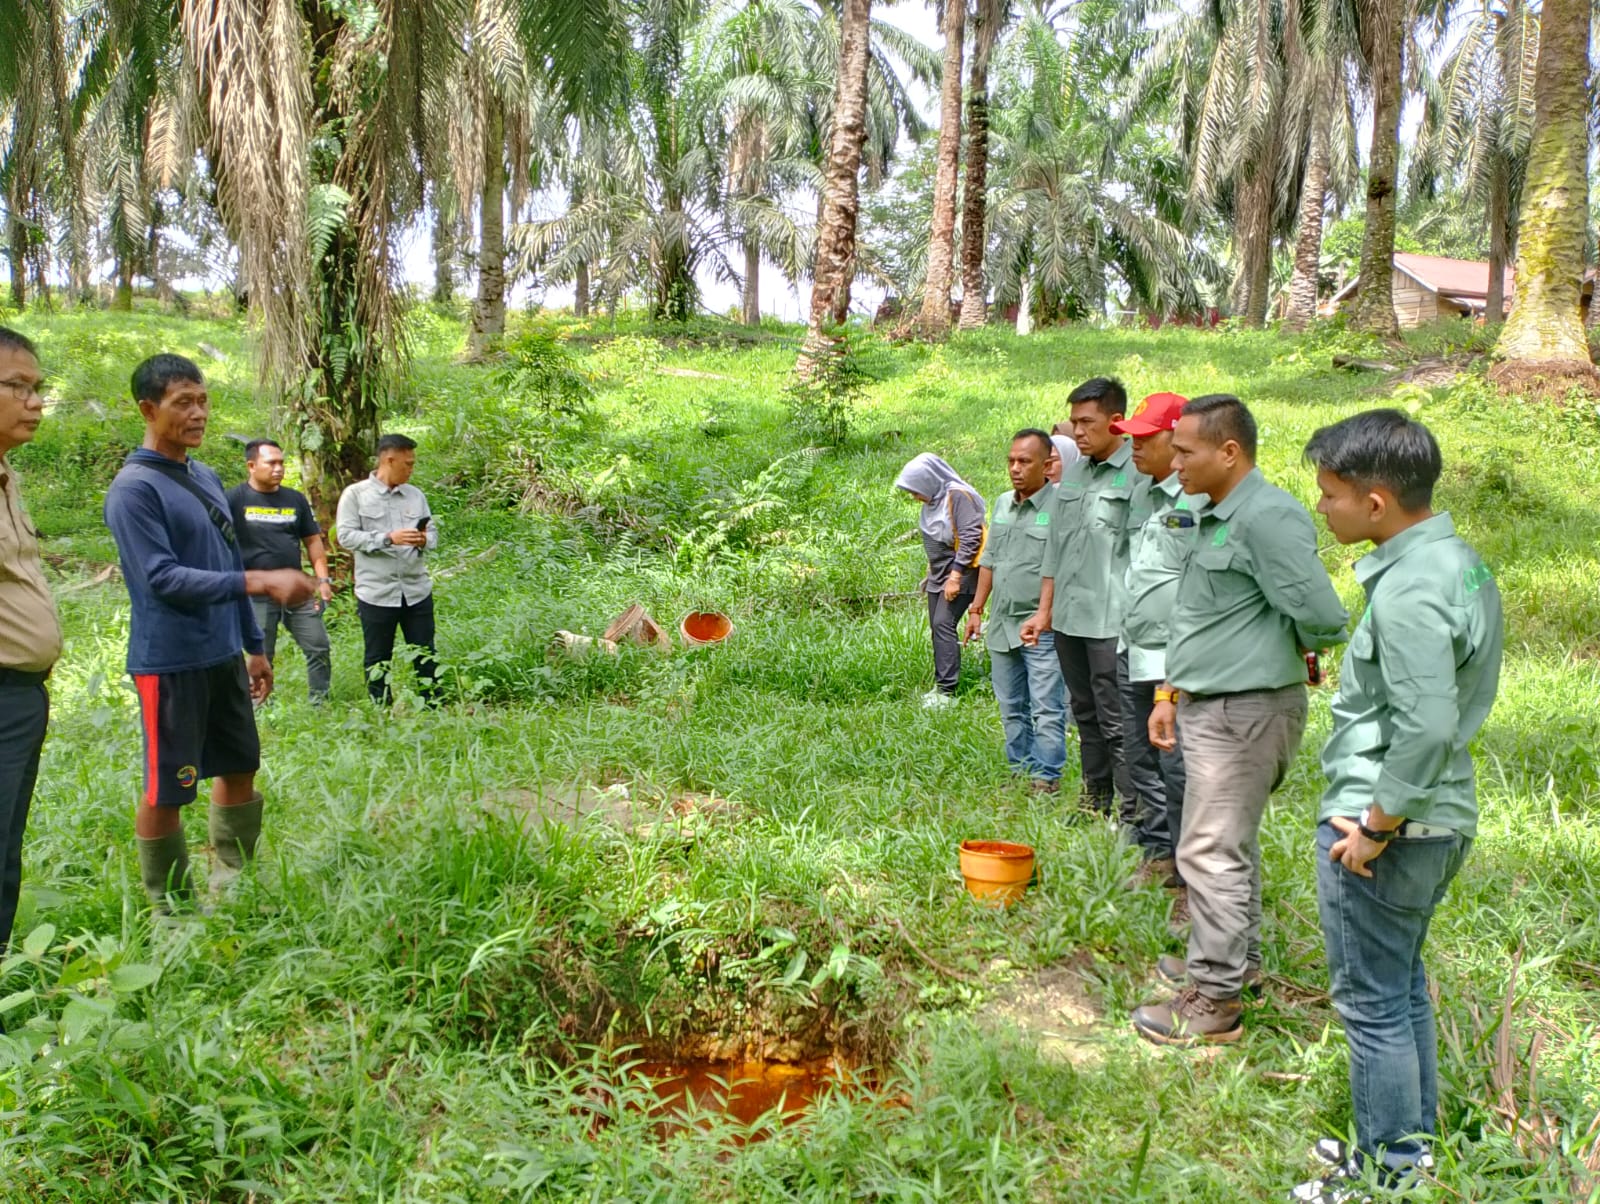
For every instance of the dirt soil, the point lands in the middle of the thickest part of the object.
(1055, 1011)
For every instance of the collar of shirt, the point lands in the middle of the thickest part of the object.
(1117, 459)
(1169, 485)
(1035, 499)
(1430, 530)
(1251, 483)
(383, 486)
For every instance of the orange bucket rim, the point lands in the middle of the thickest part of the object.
(997, 848)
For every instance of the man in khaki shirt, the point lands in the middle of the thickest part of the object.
(30, 633)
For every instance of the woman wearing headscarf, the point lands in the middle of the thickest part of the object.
(1066, 454)
(952, 535)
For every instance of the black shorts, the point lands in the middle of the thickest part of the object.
(198, 723)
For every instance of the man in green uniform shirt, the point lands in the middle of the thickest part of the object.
(1081, 592)
(1163, 522)
(1400, 810)
(1027, 680)
(1252, 598)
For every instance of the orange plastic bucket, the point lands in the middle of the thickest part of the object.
(705, 627)
(996, 871)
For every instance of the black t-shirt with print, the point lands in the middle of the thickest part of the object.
(271, 525)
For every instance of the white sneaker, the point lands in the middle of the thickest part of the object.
(937, 700)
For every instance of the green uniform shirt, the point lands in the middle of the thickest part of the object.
(1089, 543)
(1253, 593)
(1156, 553)
(1417, 682)
(1019, 534)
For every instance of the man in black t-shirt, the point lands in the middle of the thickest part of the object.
(272, 522)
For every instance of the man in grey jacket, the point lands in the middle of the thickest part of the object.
(385, 521)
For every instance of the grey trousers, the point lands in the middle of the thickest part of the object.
(1236, 750)
(944, 620)
(24, 714)
(309, 631)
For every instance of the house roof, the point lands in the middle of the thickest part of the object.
(1457, 277)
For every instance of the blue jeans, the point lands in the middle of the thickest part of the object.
(1374, 929)
(1033, 708)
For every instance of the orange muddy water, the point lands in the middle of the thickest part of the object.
(739, 1091)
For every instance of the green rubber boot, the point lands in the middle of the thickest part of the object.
(164, 867)
(234, 833)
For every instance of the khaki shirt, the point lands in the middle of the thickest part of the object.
(1417, 682)
(1253, 593)
(1156, 552)
(1019, 536)
(1089, 543)
(30, 631)
(386, 574)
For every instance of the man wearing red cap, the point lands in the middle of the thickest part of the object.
(1163, 526)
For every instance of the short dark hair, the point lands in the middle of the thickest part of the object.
(253, 448)
(396, 443)
(1222, 417)
(1384, 448)
(152, 378)
(1105, 391)
(15, 340)
(1033, 432)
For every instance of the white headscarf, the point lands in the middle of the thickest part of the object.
(933, 479)
(1067, 450)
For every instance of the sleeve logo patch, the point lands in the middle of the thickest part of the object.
(1476, 578)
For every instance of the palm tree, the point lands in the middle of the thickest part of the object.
(1319, 44)
(1383, 34)
(1479, 121)
(988, 20)
(836, 226)
(1075, 206)
(934, 319)
(1544, 332)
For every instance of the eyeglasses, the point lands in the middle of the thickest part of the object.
(22, 390)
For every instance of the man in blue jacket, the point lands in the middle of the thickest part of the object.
(194, 650)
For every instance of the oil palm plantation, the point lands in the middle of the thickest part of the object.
(1478, 120)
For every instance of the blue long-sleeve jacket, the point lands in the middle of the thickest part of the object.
(185, 581)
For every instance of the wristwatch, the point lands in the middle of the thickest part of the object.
(324, 580)
(1165, 695)
(1376, 835)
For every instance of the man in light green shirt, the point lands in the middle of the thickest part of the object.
(1163, 527)
(1252, 599)
(1027, 680)
(1401, 809)
(1081, 592)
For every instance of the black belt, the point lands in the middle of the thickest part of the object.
(24, 677)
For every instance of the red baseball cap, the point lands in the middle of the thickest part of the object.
(1156, 413)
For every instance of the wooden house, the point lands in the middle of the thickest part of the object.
(1429, 287)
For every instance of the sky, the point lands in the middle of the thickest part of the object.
(777, 296)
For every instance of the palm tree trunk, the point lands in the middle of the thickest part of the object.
(1253, 233)
(444, 255)
(17, 258)
(1383, 39)
(1025, 305)
(836, 227)
(489, 310)
(750, 300)
(122, 299)
(1494, 306)
(1544, 327)
(974, 233)
(934, 320)
(1308, 241)
(580, 290)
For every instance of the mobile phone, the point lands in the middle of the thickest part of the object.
(422, 523)
(1313, 669)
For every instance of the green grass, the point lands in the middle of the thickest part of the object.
(409, 1002)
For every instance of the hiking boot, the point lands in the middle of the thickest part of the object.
(1045, 786)
(1173, 972)
(1162, 870)
(1192, 1018)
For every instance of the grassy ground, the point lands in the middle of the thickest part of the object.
(409, 1002)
